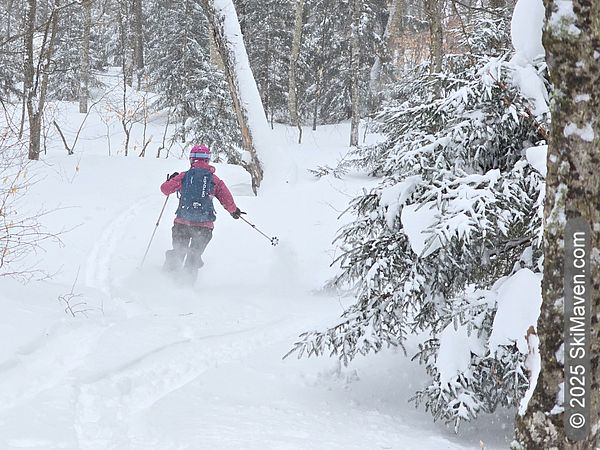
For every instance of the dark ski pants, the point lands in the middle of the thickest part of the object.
(188, 243)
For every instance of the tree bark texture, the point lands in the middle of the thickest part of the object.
(572, 190)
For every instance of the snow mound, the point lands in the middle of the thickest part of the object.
(415, 221)
(536, 156)
(519, 302)
(526, 29)
(454, 356)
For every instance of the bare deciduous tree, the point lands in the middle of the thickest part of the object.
(20, 234)
(39, 48)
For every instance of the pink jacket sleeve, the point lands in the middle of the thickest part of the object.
(223, 195)
(172, 185)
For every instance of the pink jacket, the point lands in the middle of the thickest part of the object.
(221, 192)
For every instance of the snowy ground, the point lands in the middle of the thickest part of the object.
(146, 364)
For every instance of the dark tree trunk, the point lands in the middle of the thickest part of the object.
(433, 9)
(138, 45)
(384, 56)
(35, 77)
(572, 190)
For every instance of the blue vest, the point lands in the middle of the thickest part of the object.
(196, 203)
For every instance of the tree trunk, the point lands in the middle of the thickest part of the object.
(321, 60)
(293, 88)
(215, 57)
(9, 8)
(125, 40)
(265, 77)
(35, 77)
(318, 92)
(433, 9)
(383, 58)
(28, 67)
(138, 46)
(244, 93)
(572, 191)
(355, 93)
(125, 75)
(84, 80)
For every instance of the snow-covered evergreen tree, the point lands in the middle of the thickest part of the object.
(179, 69)
(326, 57)
(323, 72)
(453, 226)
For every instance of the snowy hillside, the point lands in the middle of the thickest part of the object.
(108, 355)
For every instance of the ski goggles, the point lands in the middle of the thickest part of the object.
(200, 155)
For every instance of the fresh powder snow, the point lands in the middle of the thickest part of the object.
(110, 355)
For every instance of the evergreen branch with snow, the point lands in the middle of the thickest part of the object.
(454, 223)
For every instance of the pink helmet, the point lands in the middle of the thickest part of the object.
(200, 152)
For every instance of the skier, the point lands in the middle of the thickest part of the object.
(195, 216)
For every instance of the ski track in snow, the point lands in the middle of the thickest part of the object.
(107, 407)
(108, 377)
(97, 274)
(108, 403)
(71, 343)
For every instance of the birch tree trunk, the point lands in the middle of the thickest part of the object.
(244, 93)
(572, 190)
(35, 71)
(293, 88)
(84, 81)
(355, 93)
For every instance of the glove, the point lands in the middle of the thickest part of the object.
(173, 175)
(237, 213)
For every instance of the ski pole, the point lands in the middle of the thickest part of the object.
(274, 240)
(154, 232)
